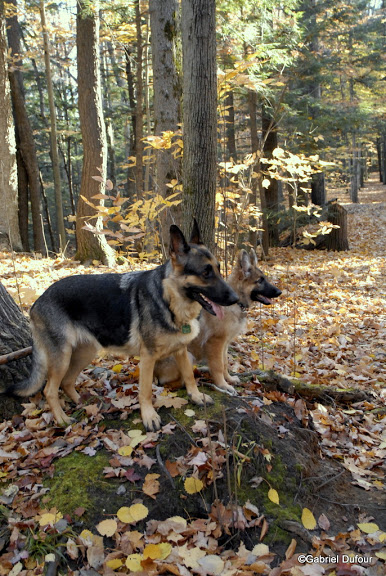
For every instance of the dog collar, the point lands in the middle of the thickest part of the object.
(186, 329)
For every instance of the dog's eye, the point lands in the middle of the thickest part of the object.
(207, 272)
(259, 281)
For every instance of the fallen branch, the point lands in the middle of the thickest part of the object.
(324, 394)
(5, 358)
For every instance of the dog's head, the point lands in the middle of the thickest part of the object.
(252, 281)
(199, 272)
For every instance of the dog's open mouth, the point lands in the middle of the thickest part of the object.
(211, 307)
(262, 299)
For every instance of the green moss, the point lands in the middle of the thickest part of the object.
(77, 480)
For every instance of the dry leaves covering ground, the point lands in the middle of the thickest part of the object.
(328, 328)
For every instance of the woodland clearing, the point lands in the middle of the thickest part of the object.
(242, 488)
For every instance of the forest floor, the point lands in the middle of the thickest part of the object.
(250, 486)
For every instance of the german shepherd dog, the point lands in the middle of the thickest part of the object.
(153, 314)
(215, 335)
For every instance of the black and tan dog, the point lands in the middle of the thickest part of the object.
(211, 344)
(153, 314)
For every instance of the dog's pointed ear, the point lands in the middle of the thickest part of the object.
(253, 257)
(178, 244)
(245, 263)
(195, 237)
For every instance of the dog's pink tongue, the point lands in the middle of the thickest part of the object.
(218, 310)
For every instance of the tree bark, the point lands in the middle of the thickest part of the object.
(337, 239)
(9, 223)
(318, 189)
(53, 134)
(269, 132)
(90, 246)
(199, 116)
(24, 135)
(139, 105)
(166, 99)
(15, 334)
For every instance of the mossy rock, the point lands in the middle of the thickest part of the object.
(268, 442)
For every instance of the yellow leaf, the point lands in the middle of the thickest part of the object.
(133, 562)
(381, 554)
(193, 485)
(107, 527)
(124, 515)
(152, 551)
(50, 518)
(308, 519)
(138, 512)
(273, 496)
(125, 450)
(165, 549)
(117, 368)
(114, 564)
(368, 527)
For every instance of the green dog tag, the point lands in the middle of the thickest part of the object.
(185, 329)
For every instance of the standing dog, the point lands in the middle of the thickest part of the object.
(215, 335)
(153, 314)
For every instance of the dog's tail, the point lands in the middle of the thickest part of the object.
(35, 382)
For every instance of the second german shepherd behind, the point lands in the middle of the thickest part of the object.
(153, 314)
(215, 335)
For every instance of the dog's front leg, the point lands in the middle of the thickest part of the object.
(150, 418)
(186, 370)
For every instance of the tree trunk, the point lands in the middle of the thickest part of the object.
(139, 105)
(257, 188)
(9, 223)
(200, 115)
(15, 334)
(53, 134)
(90, 246)
(230, 126)
(269, 133)
(318, 189)
(24, 135)
(132, 133)
(337, 239)
(166, 100)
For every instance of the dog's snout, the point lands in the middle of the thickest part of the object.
(232, 297)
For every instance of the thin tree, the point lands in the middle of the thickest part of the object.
(139, 103)
(28, 168)
(199, 115)
(90, 246)
(9, 223)
(53, 133)
(163, 14)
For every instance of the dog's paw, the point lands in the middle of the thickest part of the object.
(233, 379)
(151, 420)
(201, 399)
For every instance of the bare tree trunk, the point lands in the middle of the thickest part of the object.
(139, 104)
(200, 115)
(318, 189)
(133, 131)
(90, 246)
(15, 334)
(166, 99)
(269, 130)
(24, 135)
(9, 223)
(53, 134)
